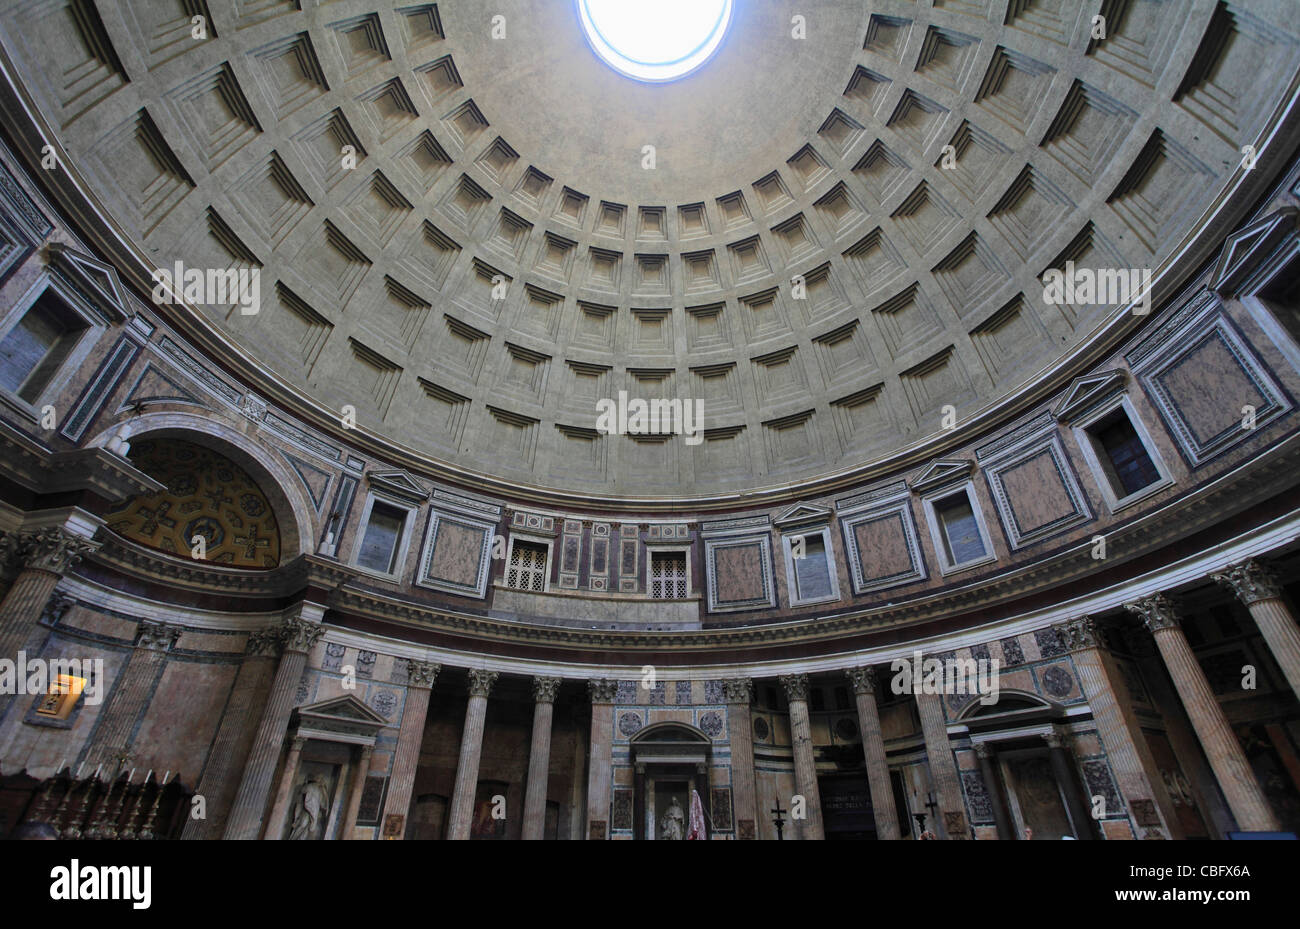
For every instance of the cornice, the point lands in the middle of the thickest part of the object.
(1270, 475)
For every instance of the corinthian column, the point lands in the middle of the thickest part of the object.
(1257, 587)
(47, 555)
(600, 768)
(358, 788)
(234, 736)
(539, 757)
(805, 765)
(1130, 757)
(1233, 772)
(943, 770)
(471, 747)
(420, 676)
(134, 682)
(993, 785)
(740, 734)
(873, 748)
(298, 633)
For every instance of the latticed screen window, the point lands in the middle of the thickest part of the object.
(668, 575)
(527, 570)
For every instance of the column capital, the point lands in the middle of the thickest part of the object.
(299, 635)
(1250, 580)
(421, 673)
(54, 549)
(156, 636)
(1055, 738)
(1079, 633)
(738, 690)
(11, 546)
(602, 690)
(297, 742)
(1156, 612)
(481, 681)
(263, 642)
(545, 689)
(984, 751)
(863, 679)
(796, 686)
(58, 604)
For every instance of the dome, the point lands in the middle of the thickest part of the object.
(831, 238)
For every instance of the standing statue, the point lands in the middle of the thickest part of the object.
(672, 825)
(311, 810)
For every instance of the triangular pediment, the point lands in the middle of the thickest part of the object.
(399, 483)
(345, 709)
(1249, 247)
(941, 472)
(96, 281)
(802, 514)
(1087, 391)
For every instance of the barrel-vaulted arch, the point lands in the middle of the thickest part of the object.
(293, 512)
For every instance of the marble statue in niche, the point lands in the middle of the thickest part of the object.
(672, 825)
(311, 810)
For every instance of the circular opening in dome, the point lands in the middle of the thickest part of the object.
(655, 40)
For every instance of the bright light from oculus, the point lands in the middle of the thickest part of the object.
(655, 40)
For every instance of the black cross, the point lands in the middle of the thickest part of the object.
(777, 820)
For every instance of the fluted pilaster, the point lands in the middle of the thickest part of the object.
(420, 678)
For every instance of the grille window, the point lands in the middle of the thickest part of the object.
(527, 569)
(668, 575)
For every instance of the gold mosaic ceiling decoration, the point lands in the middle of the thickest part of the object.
(207, 496)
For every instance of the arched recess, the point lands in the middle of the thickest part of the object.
(671, 731)
(282, 488)
(1013, 707)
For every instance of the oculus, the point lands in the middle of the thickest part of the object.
(654, 40)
